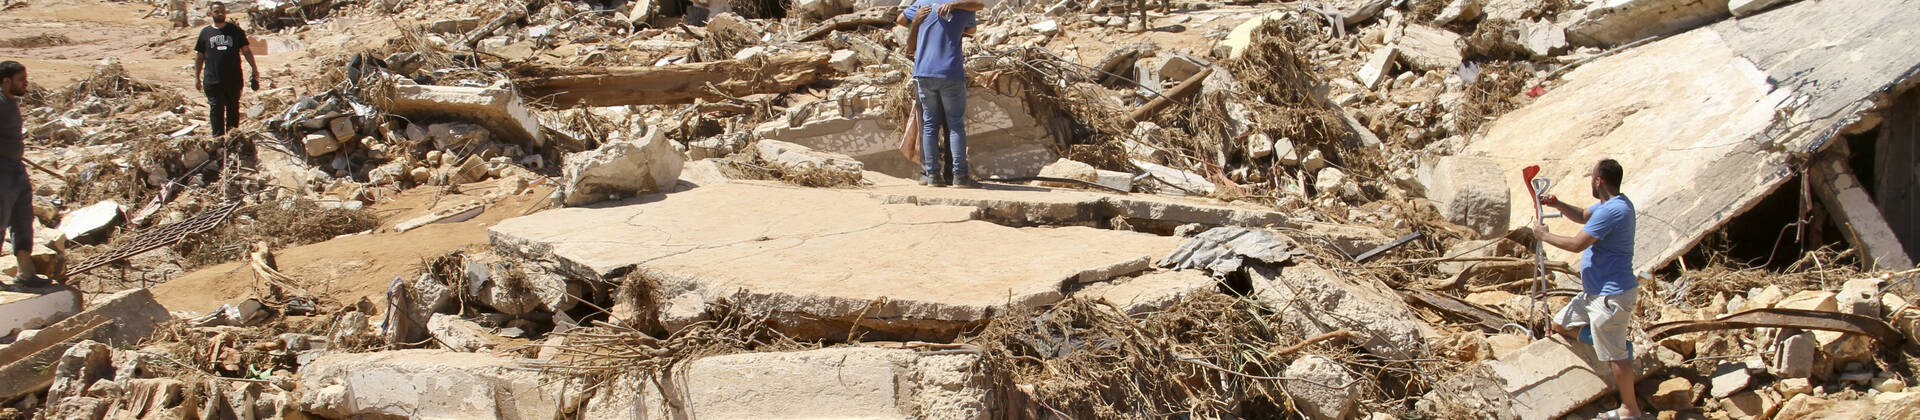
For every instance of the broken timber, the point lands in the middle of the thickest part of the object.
(1854, 211)
(878, 16)
(1180, 92)
(569, 86)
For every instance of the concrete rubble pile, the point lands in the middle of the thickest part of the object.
(640, 209)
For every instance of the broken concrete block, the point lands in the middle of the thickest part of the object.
(622, 167)
(120, 320)
(1318, 301)
(846, 61)
(1259, 146)
(1379, 64)
(1152, 292)
(423, 384)
(1235, 44)
(1177, 181)
(320, 143)
(1618, 22)
(27, 311)
(91, 223)
(1321, 388)
(1003, 138)
(1794, 356)
(1429, 48)
(342, 129)
(1471, 192)
(1284, 153)
(1810, 300)
(1332, 182)
(796, 161)
(1179, 68)
(1551, 377)
(1730, 378)
(844, 382)
(454, 333)
(1673, 394)
(1744, 8)
(1857, 296)
(1068, 169)
(1458, 11)
(1539, 37)
(447, 136)
(498, 108)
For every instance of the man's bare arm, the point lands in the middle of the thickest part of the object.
(199, 64)
(247, 51)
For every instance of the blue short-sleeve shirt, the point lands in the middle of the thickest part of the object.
(1606, 268)
(938, 54)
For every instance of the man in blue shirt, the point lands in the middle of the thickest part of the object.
(941, 76)
(1609, 290)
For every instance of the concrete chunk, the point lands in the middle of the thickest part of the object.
(1470, 191)
(320, 143)
(1323, 389)
(1429, 48)
(1551, 377)
(1317, 301)
(1730, 378)
(26, 311)
(424, 384)
(91, 223)
(1744, 8)
(850, 382)
(120, 319)
(622, 167)
(1152, 292)
(1379, 64)
(499, 109)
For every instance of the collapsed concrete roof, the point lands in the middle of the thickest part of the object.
(1710, 121)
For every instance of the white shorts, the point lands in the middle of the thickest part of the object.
(1609, 317)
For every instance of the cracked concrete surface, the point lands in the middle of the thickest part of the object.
(816, 260)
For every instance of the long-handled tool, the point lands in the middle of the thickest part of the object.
(1535, 187)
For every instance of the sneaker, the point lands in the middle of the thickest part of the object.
(932, 182)
(965, 182)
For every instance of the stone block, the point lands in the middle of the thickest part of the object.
(1857, 296)
(1730, 378)
(1179, 68)
(1794, 356)
(320, 143)
(1471, 192)
(424, 384)
(622, 167)
(1673, 395)
(1810, 300)
(1321, 388)
(796, 160)
(1317, 300)
(498, 108)
(91, 223)
(1429, 48)
(27, 311)
(847, 382)
(1379, 65)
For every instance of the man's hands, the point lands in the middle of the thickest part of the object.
(255, 82)
(1549, 199)
(198, 84)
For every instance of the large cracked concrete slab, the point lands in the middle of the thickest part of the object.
(1708, 122)
(816, 260)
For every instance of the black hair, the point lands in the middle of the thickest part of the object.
(1610, 172)
(10, 68)
(220, 4)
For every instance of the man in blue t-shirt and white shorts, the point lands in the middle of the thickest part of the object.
(1609, 289)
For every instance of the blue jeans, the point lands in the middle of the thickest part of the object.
(943, 101)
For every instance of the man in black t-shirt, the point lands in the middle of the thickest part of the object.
(216, 66)
(16, 191)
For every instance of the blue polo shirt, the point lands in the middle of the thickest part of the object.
(939, 50)
(1606, 268)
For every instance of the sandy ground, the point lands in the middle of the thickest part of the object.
(347, 268)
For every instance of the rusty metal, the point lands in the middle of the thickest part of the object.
(158, 237)
(1885, 334)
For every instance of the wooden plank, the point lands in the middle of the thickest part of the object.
(569, 86)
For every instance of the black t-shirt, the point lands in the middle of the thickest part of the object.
(222, 48)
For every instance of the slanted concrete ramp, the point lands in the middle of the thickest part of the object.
(815, 260)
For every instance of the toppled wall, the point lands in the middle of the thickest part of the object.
(1710, 121)
(1003, 138)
